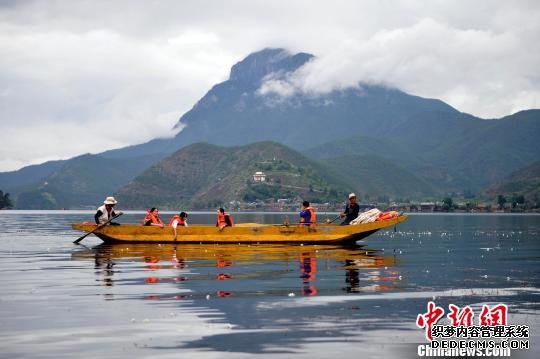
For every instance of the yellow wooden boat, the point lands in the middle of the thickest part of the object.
(240, 233)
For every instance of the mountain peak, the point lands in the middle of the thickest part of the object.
(261, 63)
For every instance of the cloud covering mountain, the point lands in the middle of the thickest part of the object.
(90, 76)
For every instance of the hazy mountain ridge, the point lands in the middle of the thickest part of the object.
(28, 175)
(456, 152)
(82, 181)
(524, 182)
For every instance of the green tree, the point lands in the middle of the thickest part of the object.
(520, 199)
(5, 201)
(501, 201)
(448, 204)
(333, 192)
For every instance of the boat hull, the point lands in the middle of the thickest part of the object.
(242, 233)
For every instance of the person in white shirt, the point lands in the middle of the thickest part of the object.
(106, 211)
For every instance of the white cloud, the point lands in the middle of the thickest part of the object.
(86, 75)
(69, 93)
(477, 71)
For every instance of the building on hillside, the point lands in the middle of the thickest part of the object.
(259, 176)
(481, 207)
(427, 206)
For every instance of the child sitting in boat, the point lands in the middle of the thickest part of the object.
(178, 220)
(223, 219)
(307, 215)
(152, 218)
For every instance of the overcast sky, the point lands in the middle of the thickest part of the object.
(87, 76)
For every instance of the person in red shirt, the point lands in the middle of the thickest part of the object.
(223, 219)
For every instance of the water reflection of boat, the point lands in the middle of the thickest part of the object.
(225, 254)
(245, 233)
(359, 263)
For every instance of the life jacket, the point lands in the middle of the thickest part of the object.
(153, 219)
(313, 216)
(224, 220)
(387, 215)
(181, 221)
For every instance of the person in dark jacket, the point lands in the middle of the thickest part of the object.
(351, 210)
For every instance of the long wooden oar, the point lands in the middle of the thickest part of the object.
(286, 223)
(95, 229)
(332, 221)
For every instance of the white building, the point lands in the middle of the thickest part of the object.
(259, 176)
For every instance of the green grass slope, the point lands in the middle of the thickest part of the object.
(374, 177)
(205, 176)
(524, 182)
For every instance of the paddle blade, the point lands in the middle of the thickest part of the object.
(82, 237)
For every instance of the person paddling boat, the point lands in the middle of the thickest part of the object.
(351, 210)
(106, 212)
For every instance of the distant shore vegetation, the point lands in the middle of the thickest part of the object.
(5, 200)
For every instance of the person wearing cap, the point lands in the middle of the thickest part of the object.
(351, 210)
(106, 211)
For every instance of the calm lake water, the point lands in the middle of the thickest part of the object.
(238, 301)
